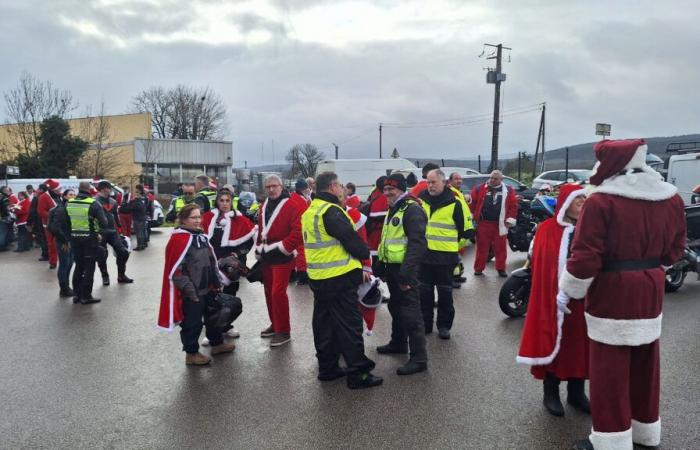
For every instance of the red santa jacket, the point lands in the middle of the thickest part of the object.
(632, 217)
(22, 211)
(360, 220)
(418, 188)
(282, 232)
(542, 331)
(509, 205)
(238, 229)
(353, 201)
(46, 203)
(377, 212)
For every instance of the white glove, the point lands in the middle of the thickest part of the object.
(562, 302)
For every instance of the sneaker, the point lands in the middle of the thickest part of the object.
(105, 280)
(233, 333)
(280, 339)
(197, 359)
(444, 333)
(124, 279)
(267, 332)
(363, 381)
(462, 279)
(227, 347)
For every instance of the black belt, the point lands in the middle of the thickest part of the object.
(629, 266)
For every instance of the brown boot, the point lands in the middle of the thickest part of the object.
(267, 332)
(280, 339)
(223, 348)
(197, 359)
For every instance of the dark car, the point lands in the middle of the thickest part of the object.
(469, 181)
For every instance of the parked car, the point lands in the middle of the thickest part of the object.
(557, 177)
(418, 171)
(158, 217)
(469, 181)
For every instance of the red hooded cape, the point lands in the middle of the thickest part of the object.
(551, 338)
(238, 229)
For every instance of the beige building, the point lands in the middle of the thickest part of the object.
(111, 145)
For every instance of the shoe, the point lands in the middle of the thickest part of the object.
(444, 333)
(226, 347)
(124, 279)
(52, 266)
(89, 300)
(66, 292)
(583, 444)
(576, 395)
(43, 258)
(76, 299)
(233, 333)
(389, 349)
(412, 367)
(267, 332)
(462, 279)
(338, 372)
(456, 284)
(280, 339)
(478, 274)
(205, 342)
(105, 280)
(197, 359)
(363, 381)
(551, 399)
(503, 274)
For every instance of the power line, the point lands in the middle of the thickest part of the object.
(462, 120)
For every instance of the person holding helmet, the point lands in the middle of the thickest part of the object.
(111, 236)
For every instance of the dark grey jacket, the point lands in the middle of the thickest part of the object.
(198, 270)
(414, 222)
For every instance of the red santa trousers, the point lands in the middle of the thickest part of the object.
(624, 387)
(125, 220)
(487, 236)
(276, 280)
(51, 241)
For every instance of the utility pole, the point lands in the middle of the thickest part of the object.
(380, 140)
(496, 77)
(540, 139)
(336, 149)
(544, 123)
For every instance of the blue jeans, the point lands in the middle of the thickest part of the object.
(65, 262)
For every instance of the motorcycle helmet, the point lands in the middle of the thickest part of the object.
(246, 199)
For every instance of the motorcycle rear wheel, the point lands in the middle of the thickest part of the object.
(674, 279)
(514, 296)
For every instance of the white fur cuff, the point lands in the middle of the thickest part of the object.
(511, 221)
(648, 434)
(623, 332)
(574, 287)
(611, 441)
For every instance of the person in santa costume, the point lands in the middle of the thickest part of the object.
(359, 220)
(631, 225)
(553, 343)
(229, 233)
(48, 201)
(301, 197)
(352, 200)
(377, 209)
(191, 279)
(279, 223)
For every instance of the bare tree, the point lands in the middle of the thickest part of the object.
(304, 159)
(101, 157)
(29, 104)
(183, 112)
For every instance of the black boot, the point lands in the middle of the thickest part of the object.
(66, 291)
(338, 372)
(551, 396)
(583, 444)
(391, 348)
(412, 367)
(122, 278)
(576, 395)
(363, 380)
(105, 279)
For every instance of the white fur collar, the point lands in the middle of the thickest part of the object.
(647, 185)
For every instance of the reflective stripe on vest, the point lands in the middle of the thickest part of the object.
(393, 244)
(466, 213)
(79, 212)
(325, 256)
(441, 231)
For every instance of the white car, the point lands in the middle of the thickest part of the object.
(418, 171)
(557, 177)
(158, 217)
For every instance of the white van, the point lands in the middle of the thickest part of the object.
(418, 171)
(363, 172)
(684, 173)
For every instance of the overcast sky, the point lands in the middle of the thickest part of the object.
(330, 71)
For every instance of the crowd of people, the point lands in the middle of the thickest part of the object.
(74, 230)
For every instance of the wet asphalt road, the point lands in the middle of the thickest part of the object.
(102, 376)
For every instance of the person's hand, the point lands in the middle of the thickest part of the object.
(563, 302)
(366, 276)
(404, 287)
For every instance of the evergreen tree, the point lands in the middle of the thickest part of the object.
(60, 152)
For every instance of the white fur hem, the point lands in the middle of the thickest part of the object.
(623, 332)
(574, 287)
(543, 361)
(648, 434)
(618, 440)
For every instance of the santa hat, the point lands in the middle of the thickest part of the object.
(614, 156)
(52, 184)
(567, 194)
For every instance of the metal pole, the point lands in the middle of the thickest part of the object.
(537, 147)
(566, 167)
(519, 173)
(496, 110)
(544, 121)
(380, 141)
(478, 157)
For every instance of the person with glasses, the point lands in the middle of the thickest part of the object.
(279, 235)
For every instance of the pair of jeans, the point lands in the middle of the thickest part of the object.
(65, 263)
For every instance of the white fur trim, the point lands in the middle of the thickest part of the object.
(171, 293)
(275, 213)
(648, 185)
(569, 200)
(241, 240)
(361, 222)
(574, 287)
(378, 213)
(639, 159)
(617, 440)
(276, 246)
(563, 253)
(212, 224)
(502, 230)
(648, 434)
(629, 332)
(511, 221)
(373, 253)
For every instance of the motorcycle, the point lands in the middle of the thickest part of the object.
(515, 292)
(530, 214)
(690, 261)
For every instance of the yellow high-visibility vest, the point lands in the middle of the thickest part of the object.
(394, 242)
(441, 231)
